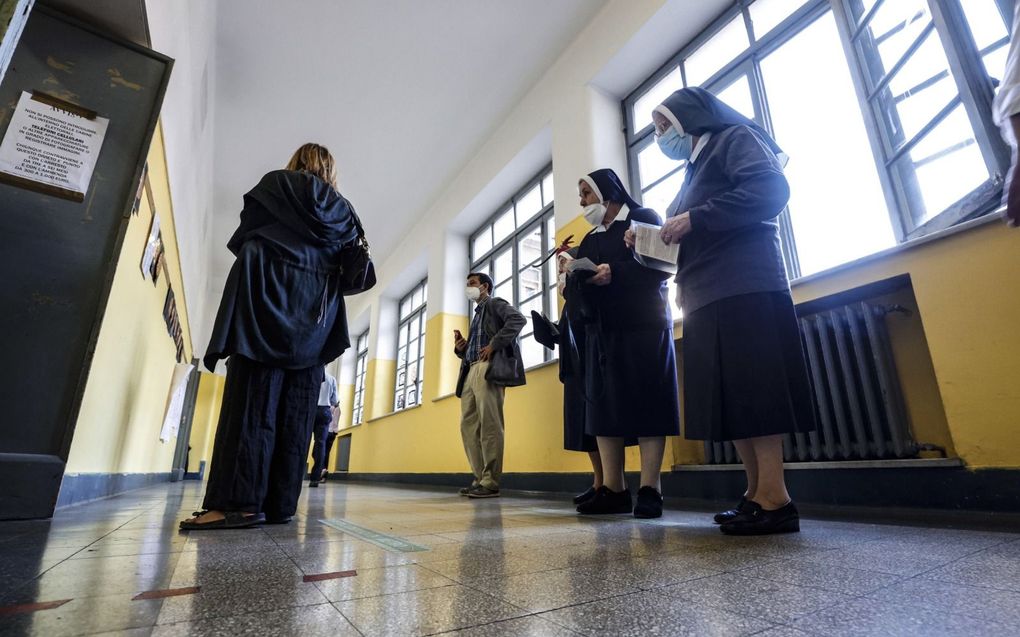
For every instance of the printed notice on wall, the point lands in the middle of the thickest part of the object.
(48, 145)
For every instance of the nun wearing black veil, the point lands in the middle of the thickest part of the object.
(630, 382)
(745, 379)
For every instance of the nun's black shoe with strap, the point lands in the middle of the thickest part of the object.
(649, 503)
(607, 502)
(755, 520)
(727, 516)
(581, 498)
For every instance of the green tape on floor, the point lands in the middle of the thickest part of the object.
(388, 542)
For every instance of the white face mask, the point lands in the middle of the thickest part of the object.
(472, 293)
(595, 213)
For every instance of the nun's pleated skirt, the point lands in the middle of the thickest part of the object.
(744, 370)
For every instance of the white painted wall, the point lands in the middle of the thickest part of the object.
(571, 116)
(185, 30)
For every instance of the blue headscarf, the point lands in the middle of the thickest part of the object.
(696, 111)
(608, 187)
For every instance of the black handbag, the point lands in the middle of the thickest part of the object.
(357, 272)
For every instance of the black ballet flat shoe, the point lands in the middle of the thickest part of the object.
(728, 516)
(757, 521)
(581, 498)
(607, 502)
(649, 503)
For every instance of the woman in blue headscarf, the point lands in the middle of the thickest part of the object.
(630, 366)
(745, 378)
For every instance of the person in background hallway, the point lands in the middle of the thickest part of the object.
(630, 364)
(323, 417)
(1006, 111)
(745, 378)
(490, 362)
(281, 319)
(334, 429)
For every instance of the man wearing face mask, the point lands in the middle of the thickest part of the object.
(490, 362)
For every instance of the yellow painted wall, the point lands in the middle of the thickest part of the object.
(426, 439)
(968, 300)
(207, 415)
(958, 358)
(126, 392)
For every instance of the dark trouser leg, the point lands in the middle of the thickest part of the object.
(320, 431)
(245, 437)
(330, 438)
(295, 419)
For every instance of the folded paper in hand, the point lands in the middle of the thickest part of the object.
(582, 264)
(650, 251)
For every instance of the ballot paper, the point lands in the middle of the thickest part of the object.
(650, 251)
(582, 264)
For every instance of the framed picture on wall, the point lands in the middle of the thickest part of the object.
(151, 243)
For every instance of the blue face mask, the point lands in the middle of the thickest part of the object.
(676, 146)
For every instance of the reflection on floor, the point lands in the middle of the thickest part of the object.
(511, 566)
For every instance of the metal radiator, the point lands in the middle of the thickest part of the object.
(858, 400)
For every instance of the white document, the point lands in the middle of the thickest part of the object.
(51, 146)
(175, 401)
(648, 244)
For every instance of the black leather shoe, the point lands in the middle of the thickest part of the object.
(581, 498)
(726, 516)
(649, 503)
(607, 502)
(755, 520)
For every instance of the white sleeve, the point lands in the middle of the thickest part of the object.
(1007, 98)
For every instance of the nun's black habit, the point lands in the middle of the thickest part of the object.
(629, 361)
(744, 369)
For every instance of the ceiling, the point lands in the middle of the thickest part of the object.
(401, 91)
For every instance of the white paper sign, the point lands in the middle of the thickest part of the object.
(175, 401)
(51, 146)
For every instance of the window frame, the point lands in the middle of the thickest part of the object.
(360, 374)
(965, 63)
(419, 313)
(539, 220)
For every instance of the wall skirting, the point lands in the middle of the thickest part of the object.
(915, 488)
(77, 488)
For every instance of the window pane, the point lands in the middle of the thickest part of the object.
(550, 270)
(504, 265)
(554, 306)
(529, 205)
(402, 336)
(642, 114)
(719, 51)
(548, 194)
(424, 292)
(837, 206)
(659, 197)
(550, 233)
(405, 308)
(893, 29)
(738, 96)
(995, 62)
(767, 14)
(504, 226)
(949, 149)
(412, 372)
(985, 21)
(506, 291)
(652, 164)
(484, 268)
(416, 299)
(401, 356)
(482, 243)
(529, 248)
(531, 304)
(915, 95)
(532, 352)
